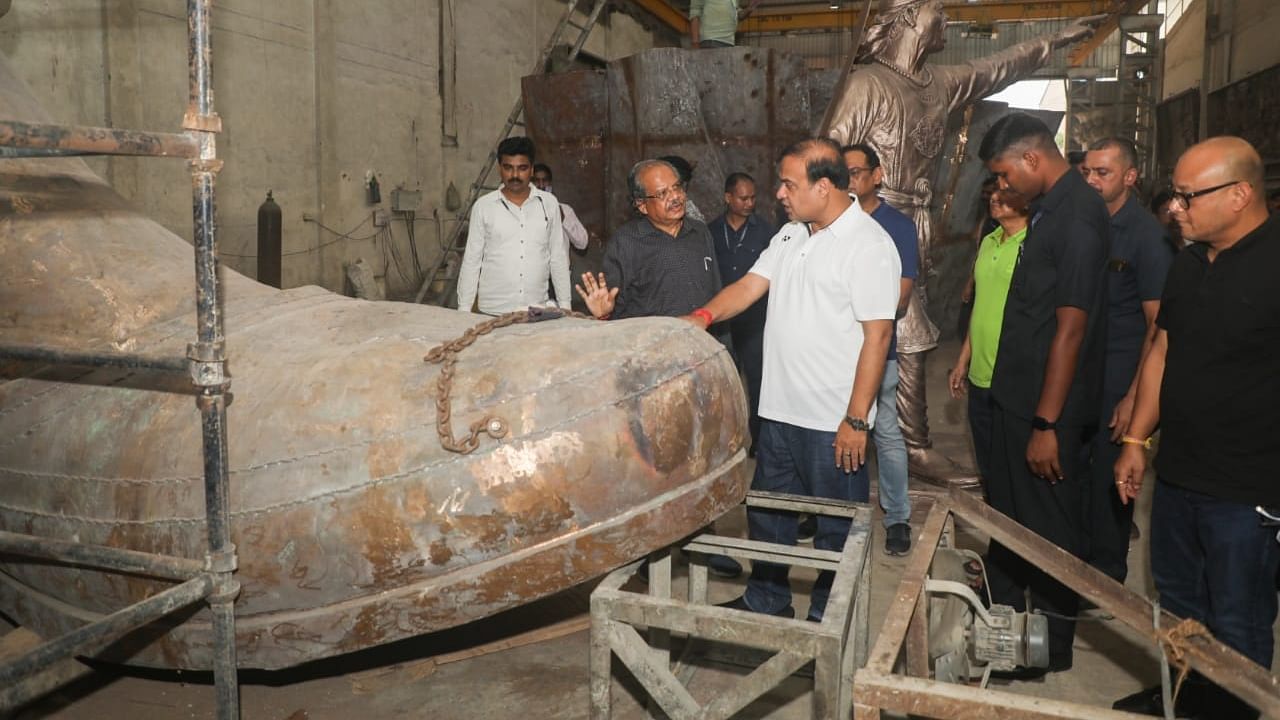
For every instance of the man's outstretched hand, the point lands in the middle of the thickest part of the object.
(596, 294)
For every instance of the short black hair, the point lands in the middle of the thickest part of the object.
(732, 181)
(682, 167)
(822, 160)
(1013, 130)
(1128, 150)
(513, 146)
(873, 158)
(1076, 157)
(543, 168)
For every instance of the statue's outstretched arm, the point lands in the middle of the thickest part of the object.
(979, 78)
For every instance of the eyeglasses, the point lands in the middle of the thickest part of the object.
(667, 193)
(1183, 199)
(856, 171)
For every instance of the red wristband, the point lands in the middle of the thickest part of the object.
(704, 315)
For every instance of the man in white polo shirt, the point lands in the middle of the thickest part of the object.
(833, 278)
(515, 242)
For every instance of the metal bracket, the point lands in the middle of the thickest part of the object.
(951, 587)
(222, 562)
(208, 364)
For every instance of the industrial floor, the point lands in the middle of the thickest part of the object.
(548, 679)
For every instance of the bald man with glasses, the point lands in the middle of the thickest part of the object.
(1210, 381)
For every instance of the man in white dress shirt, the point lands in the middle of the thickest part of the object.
(515, 242)
(574, 231)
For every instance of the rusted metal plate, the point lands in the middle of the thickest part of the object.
(725, 110)
(354, 527)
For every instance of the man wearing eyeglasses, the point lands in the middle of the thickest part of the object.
(1211, 382)
(1136, 269)
(659, 264)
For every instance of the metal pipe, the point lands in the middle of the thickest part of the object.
(100, 556)
(87, 638)
(209, 357)
(38, 138)
(100, 359)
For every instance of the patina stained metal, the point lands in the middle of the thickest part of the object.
(353, 526)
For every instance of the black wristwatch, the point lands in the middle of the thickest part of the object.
(1039, 423)
(857, 423)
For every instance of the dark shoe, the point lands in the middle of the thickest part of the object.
(897, 539)
(725, 567)
(740, 603)
(808, 528)
(1148, 701)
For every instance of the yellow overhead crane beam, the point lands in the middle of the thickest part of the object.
(982, 13)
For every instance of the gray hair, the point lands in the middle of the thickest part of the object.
(633, 178)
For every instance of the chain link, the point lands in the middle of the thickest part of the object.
(446, 355)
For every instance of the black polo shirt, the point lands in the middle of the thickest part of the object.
(1140, 260)
(1220, 399)
(660, 275)
(1062, 262)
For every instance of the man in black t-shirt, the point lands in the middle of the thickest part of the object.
(1210, 380)
(1136, 269)
(1046, 385)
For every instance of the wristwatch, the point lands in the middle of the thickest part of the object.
(1039, 423)
(857, 423)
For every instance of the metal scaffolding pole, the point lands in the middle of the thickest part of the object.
(213, 577)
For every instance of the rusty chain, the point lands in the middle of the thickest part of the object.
(446, 355)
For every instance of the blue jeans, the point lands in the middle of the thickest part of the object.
(891, 451)
(1212, 561)
(796, 460)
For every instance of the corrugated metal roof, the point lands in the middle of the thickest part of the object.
(961, 45)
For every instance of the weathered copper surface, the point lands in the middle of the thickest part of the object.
(354, 527)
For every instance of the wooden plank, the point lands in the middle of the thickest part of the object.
(929, 698)
(767, 552)
(600, 665)
(656, 677)
(801, 503)
(1226, 667)
(917, 647)
(853, 559)
(760, 681)
(717, 624)
(894, 630)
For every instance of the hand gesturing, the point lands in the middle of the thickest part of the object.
(597, 295)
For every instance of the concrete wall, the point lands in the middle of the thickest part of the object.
(1244, 43)
(1184, 51)
(1255, 28)
(313, 95)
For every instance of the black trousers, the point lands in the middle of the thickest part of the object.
(1052, 510)
(748, 351)
(1106, 519)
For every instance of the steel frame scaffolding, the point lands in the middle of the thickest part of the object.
(210, 579)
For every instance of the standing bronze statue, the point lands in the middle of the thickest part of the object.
(898, 103)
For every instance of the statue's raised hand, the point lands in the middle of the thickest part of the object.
(1080, 30)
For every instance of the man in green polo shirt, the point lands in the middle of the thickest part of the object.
(713, 23)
